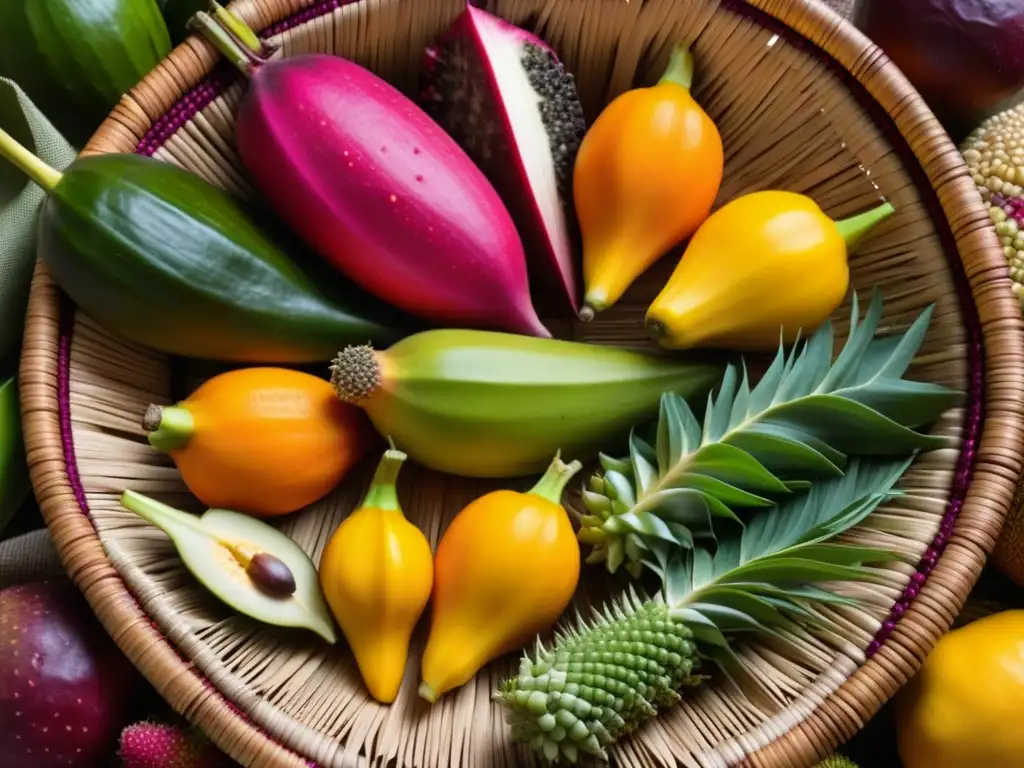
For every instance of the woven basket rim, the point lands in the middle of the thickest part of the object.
(998, 458)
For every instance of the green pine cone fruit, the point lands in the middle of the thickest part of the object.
(601, 681)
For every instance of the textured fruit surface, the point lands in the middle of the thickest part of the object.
(484, 404)
(266, 441)
(503, 94)
(64, 685)
(600, 682)
(763, 262)
(75, 58)
(377, 572)
(646, 176)
(159, 256)
(162, 745)
(376, 187)
(966, 704)
(504, 571)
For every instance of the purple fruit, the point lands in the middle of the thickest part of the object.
(502, 93)
(64, 685)
(365, 177)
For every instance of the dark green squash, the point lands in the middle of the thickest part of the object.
(160, 256)
(76, 58)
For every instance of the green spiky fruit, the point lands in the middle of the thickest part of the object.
(601, 680)
(836, 761)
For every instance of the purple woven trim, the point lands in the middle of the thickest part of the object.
(297, 20)
(187, 108)
(67, 325)
(975, 353)
(223, 76)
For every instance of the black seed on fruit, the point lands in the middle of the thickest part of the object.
(271, 575)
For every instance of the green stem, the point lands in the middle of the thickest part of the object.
(856, 228)
(160, 514)
(170, 427)
(242, 58)
(557, 476)
(233, 24)
(41, 173)
(680, 68)
(382, 493)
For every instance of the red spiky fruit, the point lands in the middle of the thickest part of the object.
(64, 685)
(161, 745)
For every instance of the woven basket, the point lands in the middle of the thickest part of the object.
(804, 103)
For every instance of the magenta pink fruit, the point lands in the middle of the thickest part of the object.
(369, 181)
(502, 93)
(161, 745)
(64, 685)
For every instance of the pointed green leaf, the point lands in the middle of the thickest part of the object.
(914, 403)
(702, 627)
(728, 494)
(738, 414)
(671, 432)
(728, 619)
(773, 445)
(610, 464)
(644, 473)
(851, 427)
(842, 554)
(702, 566)
(734, 466)
(763, 393)
(640, 522)
(716, 418)
(620, 486)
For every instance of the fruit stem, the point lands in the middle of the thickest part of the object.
(680, 67)
(240, 56)
(557, 476)
(42, 174)
(159, 514)
(856, 228)
(427, 693)
(234, 24)
(170, 427)
(382, 493)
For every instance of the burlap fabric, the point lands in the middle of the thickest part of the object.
(19, 205)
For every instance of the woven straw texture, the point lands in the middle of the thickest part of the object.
(804, 103)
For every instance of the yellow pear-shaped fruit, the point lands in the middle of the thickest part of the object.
(764, 263)
(505, 570)
(377, 573)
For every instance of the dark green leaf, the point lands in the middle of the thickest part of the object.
(644, 473)
(735, 467)
(796, 569)
(716, 418)
(728, 494)
(738, 413)
(914, 403)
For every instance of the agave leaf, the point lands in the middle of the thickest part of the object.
(799, 425)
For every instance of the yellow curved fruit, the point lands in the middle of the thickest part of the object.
(763, 262)
(646, 175)
(376, 574)
(966, 705)
(505, 570)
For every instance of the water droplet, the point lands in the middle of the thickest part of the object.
(345, 153)
(323, 123)
(393, 198)
(416, 150)
(383, 149)
(419, 177)
(350, 164)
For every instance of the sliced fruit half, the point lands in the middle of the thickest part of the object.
(247, 563)
(504, 96)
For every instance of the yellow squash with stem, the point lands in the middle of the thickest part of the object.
(646, 176)
(376, 574)
(505, 570)
(764, 261)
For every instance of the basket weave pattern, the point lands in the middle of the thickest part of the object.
(803, 104)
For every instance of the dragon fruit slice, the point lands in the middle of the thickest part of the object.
(504, 96)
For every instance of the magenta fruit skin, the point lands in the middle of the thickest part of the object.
(64, 685)
(381, 192)
(553, 269)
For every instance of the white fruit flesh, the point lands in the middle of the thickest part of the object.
(530, 134)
